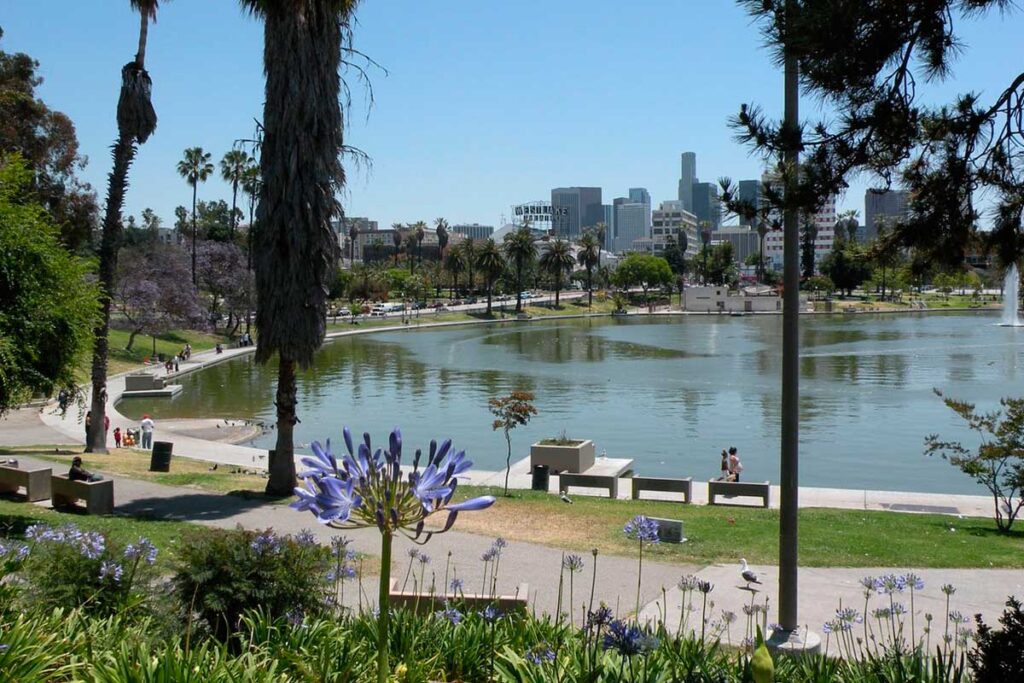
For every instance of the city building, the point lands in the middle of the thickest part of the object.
(631, 221)
(362, 224)
(824, 222)
(687, 177)
(473, 231)
(749, 191)
(887, 206)
(670, 218)
(706, 205)
(609, 226)
(744, 240)
(574, 209)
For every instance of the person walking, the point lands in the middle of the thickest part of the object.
(735, 466)
(117, 437)
(176, 364)
(147, 431)
(88, 423)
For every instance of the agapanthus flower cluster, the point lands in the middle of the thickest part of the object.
(342, 559)
(490, 614)
(540, 654)
(602, 616)
(890, 584)
(367, 487)
(142, 549)
(844, 620)
(643, 529)
(451, 614)
(111, 570)
(574, 563)
(306, 538)
(266, 543)
(456, 585)
(494, 552)
(91, 544)
(914, 581)
(628, 639)
(16, 552)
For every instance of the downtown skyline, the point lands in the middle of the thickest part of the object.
(480, 108)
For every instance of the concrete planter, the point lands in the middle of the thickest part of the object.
(574, 458)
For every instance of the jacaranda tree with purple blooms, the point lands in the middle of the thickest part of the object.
(367, 488)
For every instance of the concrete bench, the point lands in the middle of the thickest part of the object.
(431, 602)
(717, 487)
(35, 482)
(669, 530)
(592, 481)
(98, 495)
(663, 484)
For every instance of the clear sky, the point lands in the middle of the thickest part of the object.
(484, 103)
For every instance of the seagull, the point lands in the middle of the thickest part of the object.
(747, 573)
(565, 497)
(214, 468)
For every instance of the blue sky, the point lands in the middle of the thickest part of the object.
(484, 104)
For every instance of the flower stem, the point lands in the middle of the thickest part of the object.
(639, 578)
(383, 608)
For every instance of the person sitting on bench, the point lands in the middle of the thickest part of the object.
(79, 473)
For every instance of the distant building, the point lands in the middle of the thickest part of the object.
(609, 226)
(888, 207)
(473, 231)
(749, 191)
(631, 222)
(744, 240)
(706, 205)
(168, 236)
(582, 210)
(342, 226)
(687, 177)
(824, 221)
(670, 218)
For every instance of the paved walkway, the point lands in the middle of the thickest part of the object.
(821, 589)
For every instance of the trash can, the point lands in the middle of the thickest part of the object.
(541, 478)
(160, 460)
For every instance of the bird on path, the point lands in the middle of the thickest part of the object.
(747, 573)
(214, 468)
(565, 498)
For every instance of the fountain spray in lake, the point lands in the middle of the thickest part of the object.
(1011, 298)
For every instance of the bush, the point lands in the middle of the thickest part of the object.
(67, 568)
(223, 574)
(998, 654)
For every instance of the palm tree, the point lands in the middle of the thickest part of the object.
(468, 248)
(420, 229)
(557, 262)
(521, 251)
(300, 164)
(195, 168)
(454, 264)
(396, 239)
(251, 187)
(410, 246)
(136, 121)
(491, 264)
(600, 230)
(705, 240)
(353, 235)
(232, 169)
(442, 235)
(589, 257)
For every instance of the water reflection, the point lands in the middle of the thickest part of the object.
(668, 392)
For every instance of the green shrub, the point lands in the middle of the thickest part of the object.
(998, 655)
(224, 574)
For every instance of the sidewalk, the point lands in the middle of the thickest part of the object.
(821, 589)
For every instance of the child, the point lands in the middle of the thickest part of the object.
(117, 437)
(725, 466)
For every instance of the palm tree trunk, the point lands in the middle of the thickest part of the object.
(234, 204)
(281, 468)
(140, 55)
(519, 288)
(195, 281)
(558, 290)
(590, 289)
(124, 154)
(490, 286)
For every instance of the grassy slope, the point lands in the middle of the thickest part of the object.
(841, 538)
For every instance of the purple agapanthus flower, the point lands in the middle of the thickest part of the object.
(449, 613)
(890, 584)
(628, 639)
(574, 563)
(599, 617)
(540, 654)
(366, 487)
(456, 585)
(306, 538)
(111, 570)
(490, 614)
(142, 549)
(265, 543)
(643, 529)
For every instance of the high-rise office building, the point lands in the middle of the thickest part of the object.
(631, 222)
(609, 227)
(706, 205)
(670, 218)
(687, 177)
(582, 210)
(474, 231)
(749, 191)
(887, 207)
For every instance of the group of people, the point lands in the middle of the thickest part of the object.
(245, 340)
(143, 436)
(731, 465)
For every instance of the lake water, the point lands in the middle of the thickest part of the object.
(670, 392)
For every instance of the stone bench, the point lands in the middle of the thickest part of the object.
(592, 481)
(98, 495)
(664, 485)
(431, 602)
(717, 487)
(669, 530)
(35, 482)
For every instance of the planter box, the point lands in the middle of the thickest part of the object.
(578, 458)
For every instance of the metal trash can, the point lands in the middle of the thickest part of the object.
(541, 478)
(160, 460)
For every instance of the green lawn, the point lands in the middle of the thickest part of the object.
(167, 344)
(828, 538)
(16, 516)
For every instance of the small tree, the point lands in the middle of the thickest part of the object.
(998, 464)
(511, 411)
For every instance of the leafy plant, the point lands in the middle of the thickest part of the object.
(998, 463)
(510, 412)
(998, 655)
